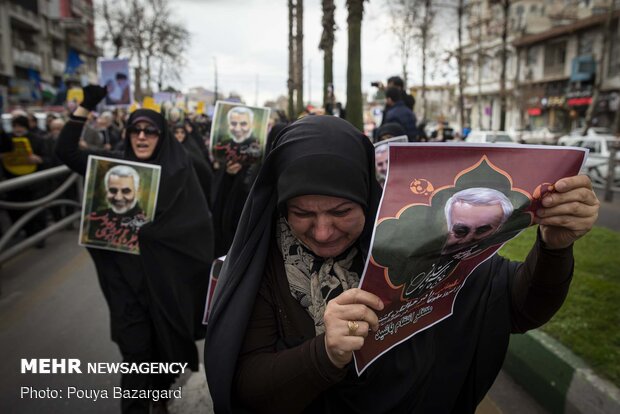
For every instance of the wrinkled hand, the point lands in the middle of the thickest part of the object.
(93, 94)
(233, 168)
(352, 305)
(568, 213)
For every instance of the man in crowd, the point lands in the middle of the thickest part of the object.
(399, 113)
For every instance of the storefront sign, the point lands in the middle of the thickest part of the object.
(580, 101)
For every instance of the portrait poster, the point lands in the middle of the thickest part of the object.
(216, 268)
(381, 156)
(17, 162)
(119, 198)
(445, 209)
(238, 133)
(114, 74)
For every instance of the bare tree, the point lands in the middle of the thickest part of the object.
(327, 46)
(425, 38)
(607, 34)
(299, 63)
(145, 32)
(404, 27)
(355, 113)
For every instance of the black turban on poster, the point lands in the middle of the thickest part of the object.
(177, 247)
(319, 155)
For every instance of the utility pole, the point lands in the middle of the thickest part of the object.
(215, 74)
(309, 81)
(299, 49)
(256, 91)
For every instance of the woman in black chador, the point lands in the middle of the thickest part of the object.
(287, 314)
(155, 299)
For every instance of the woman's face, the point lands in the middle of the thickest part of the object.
(143, 137)
(327, 225)
(179, 134)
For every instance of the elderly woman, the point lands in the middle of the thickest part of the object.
(155, 299)
(280, 337)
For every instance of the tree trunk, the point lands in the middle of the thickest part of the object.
(459, 59)
(425, 30)
(504, 56)
(291, 62)
(327, 46)
(299, 43)
(354, 68)
(602, 61)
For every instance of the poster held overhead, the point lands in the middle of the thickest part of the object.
(115, 76)
(238, 133)
(446, 209)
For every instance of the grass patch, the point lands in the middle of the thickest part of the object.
(589, 321)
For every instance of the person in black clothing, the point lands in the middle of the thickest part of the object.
(16, 165)
(400, 114)
(156, 299)
(287, 313)
(202, 167)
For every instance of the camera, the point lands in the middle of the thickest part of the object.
(375, 84)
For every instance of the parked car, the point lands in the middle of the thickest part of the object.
(592, 132)
(596, 165)
(486, 137)
(542, 135)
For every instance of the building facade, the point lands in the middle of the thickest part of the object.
(546, 39)
(36, 38)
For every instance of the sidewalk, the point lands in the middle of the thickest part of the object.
(560, 381)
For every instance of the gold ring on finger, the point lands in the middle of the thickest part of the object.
(352, 325)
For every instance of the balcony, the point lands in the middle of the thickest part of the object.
(24, 17)
(26, 59)
(55, 29)
(58, 67)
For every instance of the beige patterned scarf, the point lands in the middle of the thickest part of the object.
(313, 280)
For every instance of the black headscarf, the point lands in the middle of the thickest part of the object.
(299, 156)
(176, 249)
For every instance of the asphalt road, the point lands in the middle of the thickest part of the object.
(51, 307)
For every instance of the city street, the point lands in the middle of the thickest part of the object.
(52, 307)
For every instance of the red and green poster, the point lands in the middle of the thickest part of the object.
(446, 208)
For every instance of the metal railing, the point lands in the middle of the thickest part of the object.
(37, 206)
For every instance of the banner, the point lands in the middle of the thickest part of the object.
(119, 198)
(238, 133)
(446, 208)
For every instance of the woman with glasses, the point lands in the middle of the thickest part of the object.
(156, 298)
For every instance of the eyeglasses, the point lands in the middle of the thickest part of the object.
(125, 190)
(149, 132)
(243, 124)
(461, 231)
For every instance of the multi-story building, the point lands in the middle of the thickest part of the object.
(530, 22)
(559, 70)
(36, 37)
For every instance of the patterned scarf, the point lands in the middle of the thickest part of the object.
(313, 280)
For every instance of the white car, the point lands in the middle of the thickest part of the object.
(542, 135)
(598, 157)
(593, 132)
(487, 137)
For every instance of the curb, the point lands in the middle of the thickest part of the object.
(560, 381)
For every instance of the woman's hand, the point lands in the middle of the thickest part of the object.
(568, 213)
(232, 168)
(348, 319)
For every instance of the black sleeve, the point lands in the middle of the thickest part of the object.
(540, 286)
(67, 149)
(6, 143)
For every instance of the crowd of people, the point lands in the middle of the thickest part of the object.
(287, 313)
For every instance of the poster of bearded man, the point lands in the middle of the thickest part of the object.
(238, 133)
(119, 198)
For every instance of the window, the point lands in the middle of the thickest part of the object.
(614, 52)
(555, 58)
(585, 43)
(532, 56)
